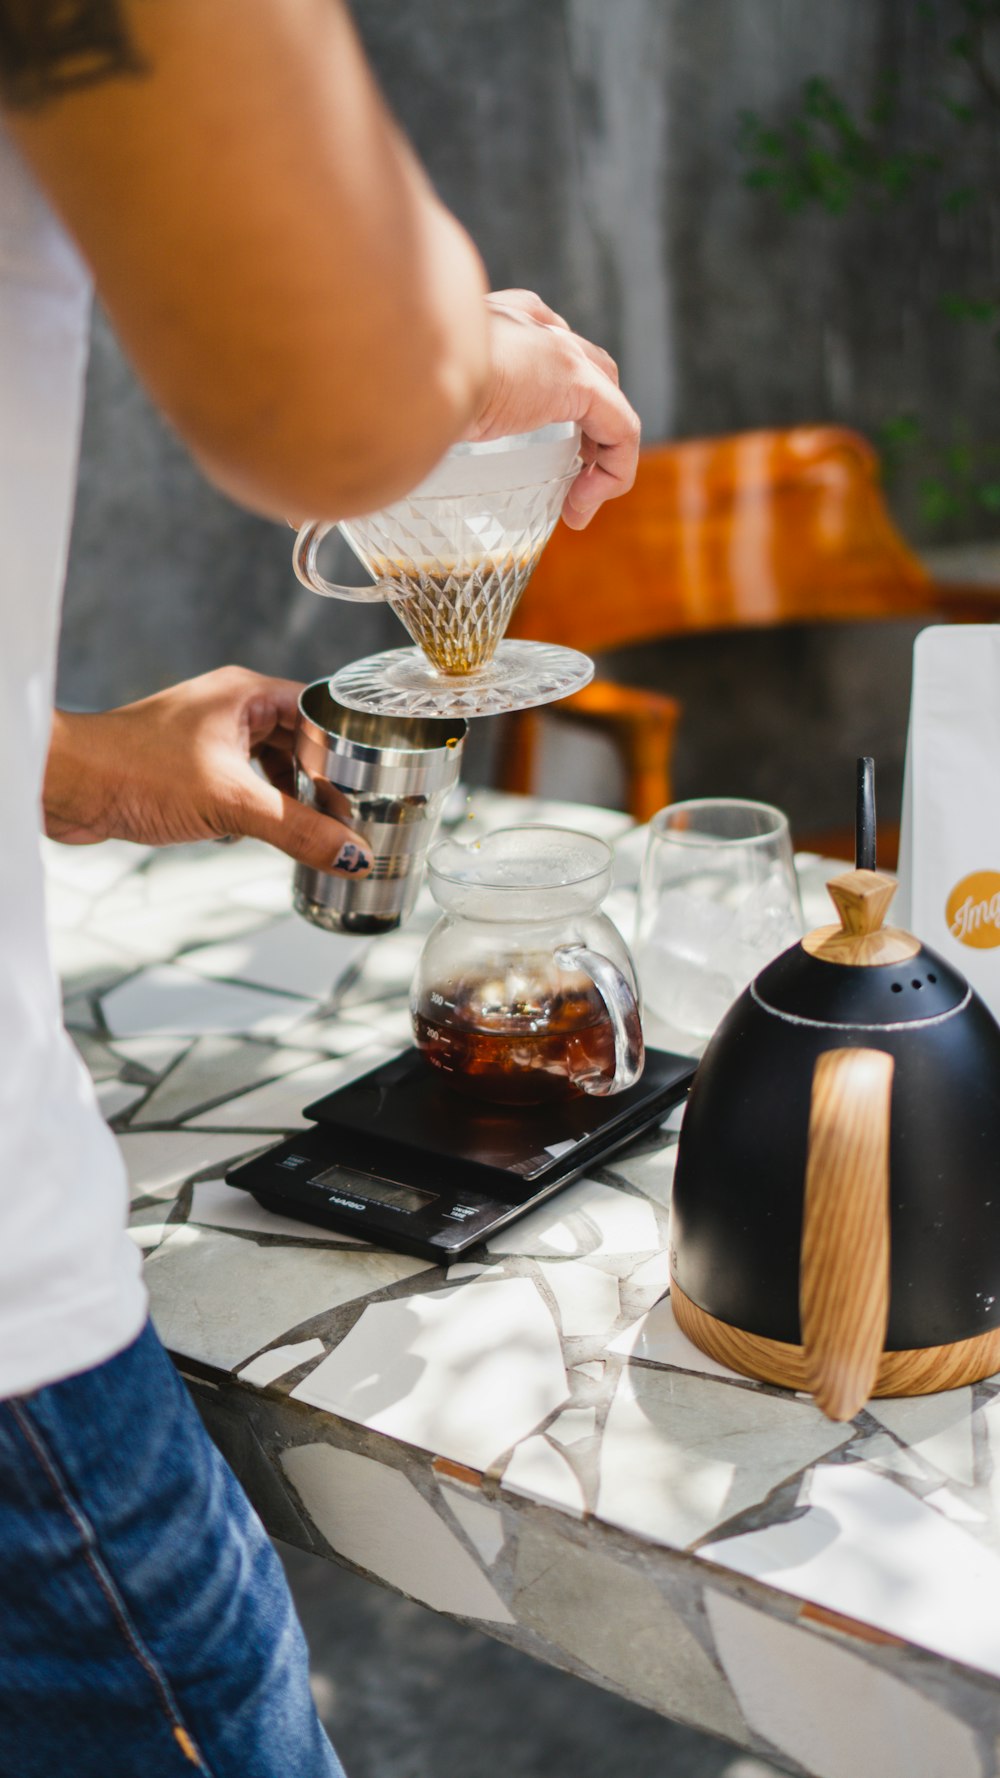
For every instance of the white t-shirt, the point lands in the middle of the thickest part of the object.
(71, 1292)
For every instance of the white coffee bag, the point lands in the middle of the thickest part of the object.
(949, 862)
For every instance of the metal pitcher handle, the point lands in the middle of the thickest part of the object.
(623, 1011)
(304, 552)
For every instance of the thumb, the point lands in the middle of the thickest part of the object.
(306, 835)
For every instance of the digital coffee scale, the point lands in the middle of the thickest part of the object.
(402, 1160)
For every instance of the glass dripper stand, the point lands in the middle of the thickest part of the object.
(452, 560)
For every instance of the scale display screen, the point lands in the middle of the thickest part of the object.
(375, 1191)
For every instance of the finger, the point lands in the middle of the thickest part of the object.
(583, 499)
(263, 812)
(278, 769)
(271, 704)
(279, 740)
(529, 304)
(613, 427)
(590, 490)
(601, 359)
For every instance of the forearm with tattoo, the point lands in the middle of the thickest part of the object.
(274, 262)
(51, 47)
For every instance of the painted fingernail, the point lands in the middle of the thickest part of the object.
(352, 859)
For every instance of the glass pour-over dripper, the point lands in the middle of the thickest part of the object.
(452, 560)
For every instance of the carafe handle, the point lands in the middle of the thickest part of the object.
(623, 1011)
(304, 553)
(844, 1274)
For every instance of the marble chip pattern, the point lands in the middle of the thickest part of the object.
(832, 1712)
(527, 1441)
(219, 1298)
(375, 1517)
(210, 1071)
(465, 1373)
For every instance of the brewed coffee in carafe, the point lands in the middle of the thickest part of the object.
(527, 1042)
(525, 992)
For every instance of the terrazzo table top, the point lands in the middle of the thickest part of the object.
(525, 1440)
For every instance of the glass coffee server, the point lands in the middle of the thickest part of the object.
(452, 560)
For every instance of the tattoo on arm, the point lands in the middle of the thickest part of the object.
(51, 47)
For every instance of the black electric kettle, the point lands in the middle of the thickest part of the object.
(836, 1209)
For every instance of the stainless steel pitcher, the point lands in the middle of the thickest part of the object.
(385, 777)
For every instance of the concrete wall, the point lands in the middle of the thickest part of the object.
(593, 152)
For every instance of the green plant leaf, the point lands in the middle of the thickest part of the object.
(969, 308)
(959, 110)
(769, 142)
(960, 199)
(937, 502)
(902, 429)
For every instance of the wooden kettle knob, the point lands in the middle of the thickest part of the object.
(844, 1273)
(861, 898)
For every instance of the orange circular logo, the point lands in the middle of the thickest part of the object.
(973, 910)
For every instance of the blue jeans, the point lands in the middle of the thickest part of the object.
(146, 1629)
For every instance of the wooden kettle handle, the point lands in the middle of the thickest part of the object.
(844, 1277)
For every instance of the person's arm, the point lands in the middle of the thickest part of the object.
(273, 259)
(275, 262)
(299, 304)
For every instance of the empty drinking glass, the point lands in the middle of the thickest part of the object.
(718, 898)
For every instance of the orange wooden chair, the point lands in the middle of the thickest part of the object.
(755, 529)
